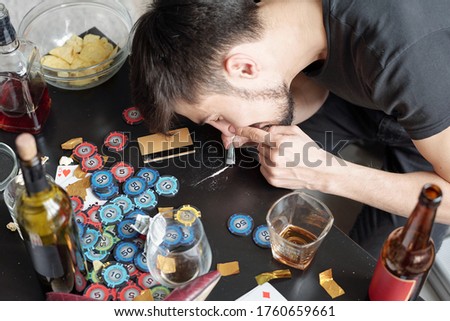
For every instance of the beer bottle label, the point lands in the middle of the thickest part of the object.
(387, 287)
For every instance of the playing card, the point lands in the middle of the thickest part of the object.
(264, 292)
(65, 176)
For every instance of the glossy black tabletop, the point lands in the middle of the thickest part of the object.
(94, 113)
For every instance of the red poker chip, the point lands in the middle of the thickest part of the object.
(81, 218)
(92, 213)
(97, 291)
(116, 141)
(132, 116)
(84, 150)
(132, 270)
(92, 163)
(129, 292)
(113, 294)
(96, 225)
(122, 171)
(77, 203)
(146, 281)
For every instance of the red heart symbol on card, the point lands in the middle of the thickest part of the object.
(66, 172)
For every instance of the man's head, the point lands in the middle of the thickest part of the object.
(177, 49)
(219, 62)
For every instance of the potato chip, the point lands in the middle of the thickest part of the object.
(64, 52)
(93, 53)
(90, 38)
(76, 43)
(54, 62)
(79, 53)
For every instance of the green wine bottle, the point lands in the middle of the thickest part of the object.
(44, 214)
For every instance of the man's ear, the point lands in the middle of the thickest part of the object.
(241, 66)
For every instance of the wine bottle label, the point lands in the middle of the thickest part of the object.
(387, 287)
(46, 260)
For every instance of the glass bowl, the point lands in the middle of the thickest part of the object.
(8, 164)
(52, 22)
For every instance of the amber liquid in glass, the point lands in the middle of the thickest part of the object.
(24, 105)
(296, 235)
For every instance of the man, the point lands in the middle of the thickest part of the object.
(377, 70)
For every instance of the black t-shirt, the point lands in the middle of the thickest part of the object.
(393, 56)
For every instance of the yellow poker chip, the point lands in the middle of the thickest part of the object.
(187, 215)
(191, 208)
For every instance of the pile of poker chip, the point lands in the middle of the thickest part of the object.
(116, 267)
(88, 157)
(242, 224)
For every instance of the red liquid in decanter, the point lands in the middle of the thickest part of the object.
(24, 105)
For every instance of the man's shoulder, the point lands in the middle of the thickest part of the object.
(388, 28)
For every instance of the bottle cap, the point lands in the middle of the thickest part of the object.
(7, 31)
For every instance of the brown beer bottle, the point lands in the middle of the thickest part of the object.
(408, 253)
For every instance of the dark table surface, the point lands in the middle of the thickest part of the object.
(94, 113)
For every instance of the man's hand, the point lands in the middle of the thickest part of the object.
(289, 158)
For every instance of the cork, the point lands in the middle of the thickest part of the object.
(26, 147)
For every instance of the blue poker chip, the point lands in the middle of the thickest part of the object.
(93, 255)
(150, 175)
(115, 275)
(134, 186)
(110, 214)
(101, 179)
(134, 213)
(125, 252)
(107, 194)
(188, 236)
(173, 236)
(81, 228)
(140, 261)
(240, 224)
(90, 238)
(147, 200)
(126, 231)
(261, 236)
(124, 203)
(167, 186)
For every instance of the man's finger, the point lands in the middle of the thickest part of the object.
(254, 134)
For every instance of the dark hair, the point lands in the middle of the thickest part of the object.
(177, 50)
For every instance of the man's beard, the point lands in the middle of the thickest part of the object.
(281, 97)
(287, 110)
